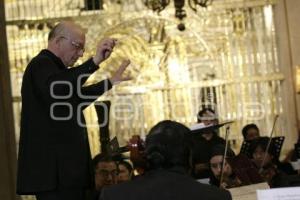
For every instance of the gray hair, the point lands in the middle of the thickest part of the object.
(63, 28)
(58, 29)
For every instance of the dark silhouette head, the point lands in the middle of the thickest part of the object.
(168, 145)
(250, 132)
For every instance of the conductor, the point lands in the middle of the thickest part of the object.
(54, 155)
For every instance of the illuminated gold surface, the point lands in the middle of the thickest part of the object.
(298, 78)
(227, 56)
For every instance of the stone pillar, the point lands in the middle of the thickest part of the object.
(287, 27)
(292, 13)
(7, 132)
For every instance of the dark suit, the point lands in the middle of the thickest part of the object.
(164, 185)
(54, 153)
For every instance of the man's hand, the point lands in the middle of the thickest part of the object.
(104, 49)
(117, 77)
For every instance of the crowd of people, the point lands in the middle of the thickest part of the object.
(204, 158)
(54, 157)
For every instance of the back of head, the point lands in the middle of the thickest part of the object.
(168, 145)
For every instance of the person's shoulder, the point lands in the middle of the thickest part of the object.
(41, 57)
(189, 185)
(205, 191)
(118, 190)
(286, 168)
(38, 59)
(150, 186)
(214, 191)
(39, 62)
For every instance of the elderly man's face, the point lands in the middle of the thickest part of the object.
(106, 174)
(72, 47)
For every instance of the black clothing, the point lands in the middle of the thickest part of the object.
(94, 194)
(202, 147)
(286, 168)
(62, 195)
(164, 184)
(283, 172)
(54, 149)
(202, 151)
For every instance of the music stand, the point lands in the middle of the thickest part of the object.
(277, 141)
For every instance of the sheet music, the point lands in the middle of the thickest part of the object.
(289, 193)
(296, 164)
(204, 181)
(199, 126)
(247, 192)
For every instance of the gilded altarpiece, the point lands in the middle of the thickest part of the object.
(226, 58)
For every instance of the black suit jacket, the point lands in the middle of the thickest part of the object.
(164, 185)
(54, 150)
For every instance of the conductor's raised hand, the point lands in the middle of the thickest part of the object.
(118, 75)
(104, 49)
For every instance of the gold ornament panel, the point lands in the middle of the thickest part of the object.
(226, 58)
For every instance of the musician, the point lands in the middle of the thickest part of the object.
(106, 173)
(207, 116)
(271, 169)
(216, 162)
(54, 158)
(203, 144)
(168, 155)
(237, 171)
(125, 171)
(250, 132)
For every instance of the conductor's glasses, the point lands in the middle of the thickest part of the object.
(76, 45)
